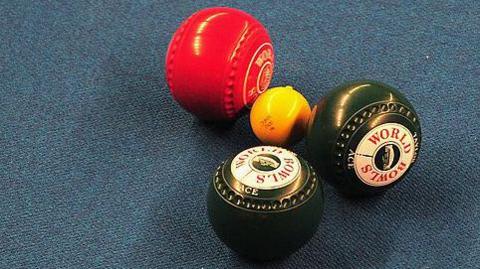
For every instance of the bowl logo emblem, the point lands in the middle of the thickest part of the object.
(266, 162)
(258, 74)
(387, 157)
(384, 154)
(266, 167)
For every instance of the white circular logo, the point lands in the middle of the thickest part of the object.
(384, 154)
(259, 73)
(265, 167)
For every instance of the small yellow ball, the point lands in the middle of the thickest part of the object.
(280, 116)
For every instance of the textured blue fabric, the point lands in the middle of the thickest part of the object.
(100, 168)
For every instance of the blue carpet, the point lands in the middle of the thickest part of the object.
(100, 168)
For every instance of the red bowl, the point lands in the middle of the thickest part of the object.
(218, 61)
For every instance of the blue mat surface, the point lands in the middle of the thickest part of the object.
(100, 168)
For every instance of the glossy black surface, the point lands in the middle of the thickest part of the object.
(340, 120)
(270, 226)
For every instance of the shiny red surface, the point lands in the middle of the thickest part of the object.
(218, 61)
